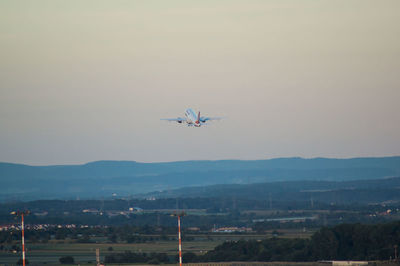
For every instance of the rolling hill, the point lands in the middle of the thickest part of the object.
(102, 178)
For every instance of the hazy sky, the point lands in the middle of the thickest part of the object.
(89, 80)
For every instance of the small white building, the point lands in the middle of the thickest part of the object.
(345, 262)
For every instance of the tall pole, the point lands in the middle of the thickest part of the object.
(22, 213)
(97, 256)
(23, 240)
(180, 243)
(179, 215)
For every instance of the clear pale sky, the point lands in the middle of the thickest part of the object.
(89, 80)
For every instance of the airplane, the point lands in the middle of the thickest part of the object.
(192, 119)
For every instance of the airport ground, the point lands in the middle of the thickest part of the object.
(85, 253)
(46, 245)
(49, 253)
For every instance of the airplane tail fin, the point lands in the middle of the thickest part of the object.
(198, 118)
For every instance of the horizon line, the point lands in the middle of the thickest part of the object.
(203, 160)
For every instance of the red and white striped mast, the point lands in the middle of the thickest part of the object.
(179, 215)
(22, 213)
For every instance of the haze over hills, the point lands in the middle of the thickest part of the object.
(335, 192)
(102, 178)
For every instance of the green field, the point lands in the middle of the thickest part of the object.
(49, 253)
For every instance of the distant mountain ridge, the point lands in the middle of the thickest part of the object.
(102, 178)
(342, 192)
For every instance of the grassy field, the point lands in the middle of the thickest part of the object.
(49, 253)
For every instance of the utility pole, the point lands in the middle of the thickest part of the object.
(179, 215)
(270, 201)
(97, 256)
(22, 213)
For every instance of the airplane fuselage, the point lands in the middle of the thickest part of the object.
(192, 118)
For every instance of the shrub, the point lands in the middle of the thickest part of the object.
(67, 260)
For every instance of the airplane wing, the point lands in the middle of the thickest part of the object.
(178, 119)
(205, 119)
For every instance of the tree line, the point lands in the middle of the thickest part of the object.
(342, 242)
